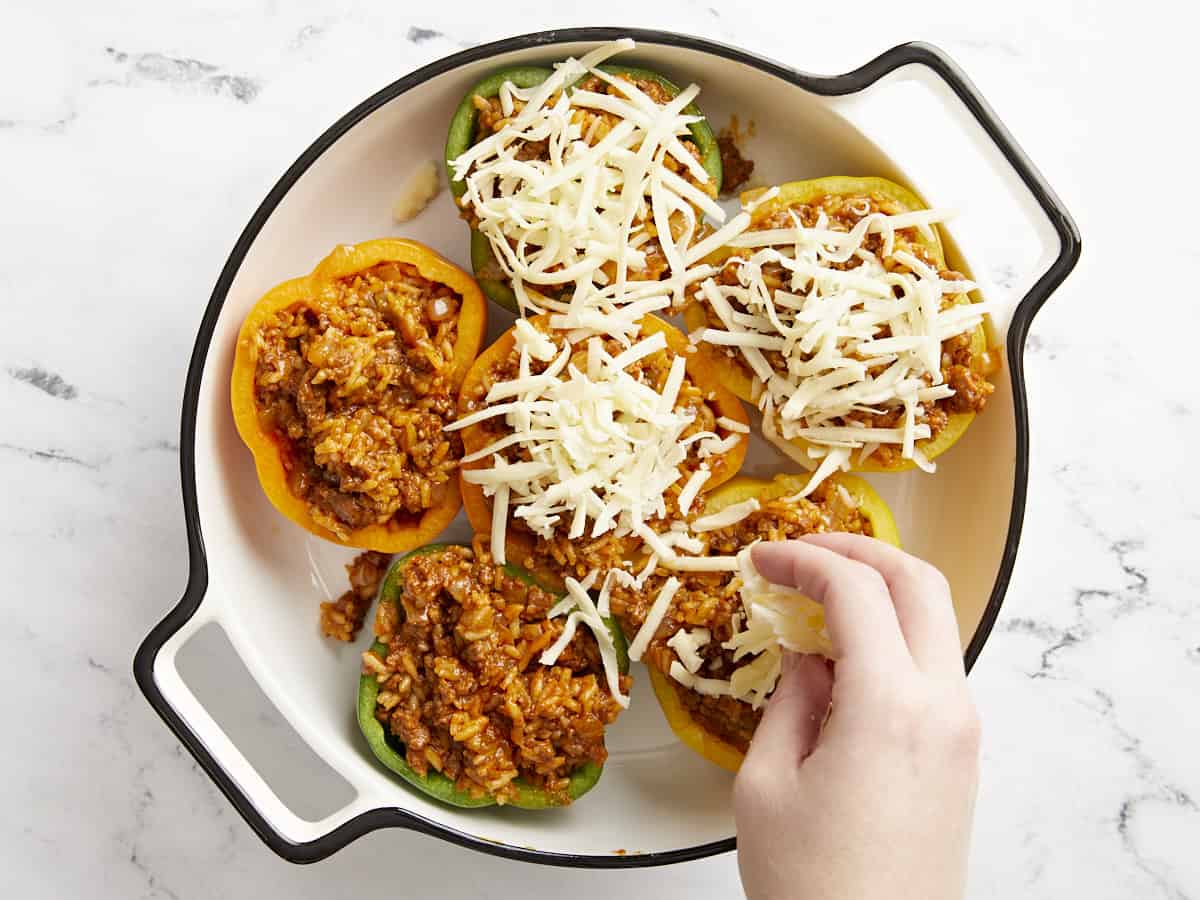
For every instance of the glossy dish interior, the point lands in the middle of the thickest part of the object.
(267, 576)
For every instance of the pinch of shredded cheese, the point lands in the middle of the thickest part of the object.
(771, 619)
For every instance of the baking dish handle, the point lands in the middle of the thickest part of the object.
(287, 833)
(949, 143)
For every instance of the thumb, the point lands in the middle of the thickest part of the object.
(794, 715)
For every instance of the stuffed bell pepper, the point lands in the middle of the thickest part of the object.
(576, 451)
(457, 696)
(343, 382)
(712, 647)
(836, 312)
(539, 161)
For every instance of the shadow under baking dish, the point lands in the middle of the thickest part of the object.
(260, 577)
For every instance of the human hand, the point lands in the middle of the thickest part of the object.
(877, 799)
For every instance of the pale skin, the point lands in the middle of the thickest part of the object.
(860, 782)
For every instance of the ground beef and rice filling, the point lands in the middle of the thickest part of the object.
(355, 384)
(461, 687)
(710, 600)
(736, 169)
(962, 370)
(559, 555)
(342, 618)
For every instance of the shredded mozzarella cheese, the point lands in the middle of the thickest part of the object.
(690, 490)
(730, 515)
(597, 450)
(653, 618)
(578, 603)
(687, 645)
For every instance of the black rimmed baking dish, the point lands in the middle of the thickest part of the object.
(657, 803)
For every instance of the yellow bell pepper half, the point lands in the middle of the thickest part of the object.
(397, 535)
(739, 379)
(739, 489)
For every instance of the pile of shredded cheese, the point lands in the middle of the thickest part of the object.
(772, 619)
(860, 341)
(578, 218)
(598, 447)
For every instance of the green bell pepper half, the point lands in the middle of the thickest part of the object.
(389, 751)
(461, 136)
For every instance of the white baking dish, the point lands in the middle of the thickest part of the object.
(252, 572)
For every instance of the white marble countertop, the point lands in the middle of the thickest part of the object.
(136, 139)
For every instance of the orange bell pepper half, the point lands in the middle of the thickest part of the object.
(475, 437)
(401, 533)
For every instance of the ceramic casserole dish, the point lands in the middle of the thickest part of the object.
(256, 575)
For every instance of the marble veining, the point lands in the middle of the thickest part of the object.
(418, 35)
(171, 70)
(49, 455)
(138, 141)
(47, 382)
